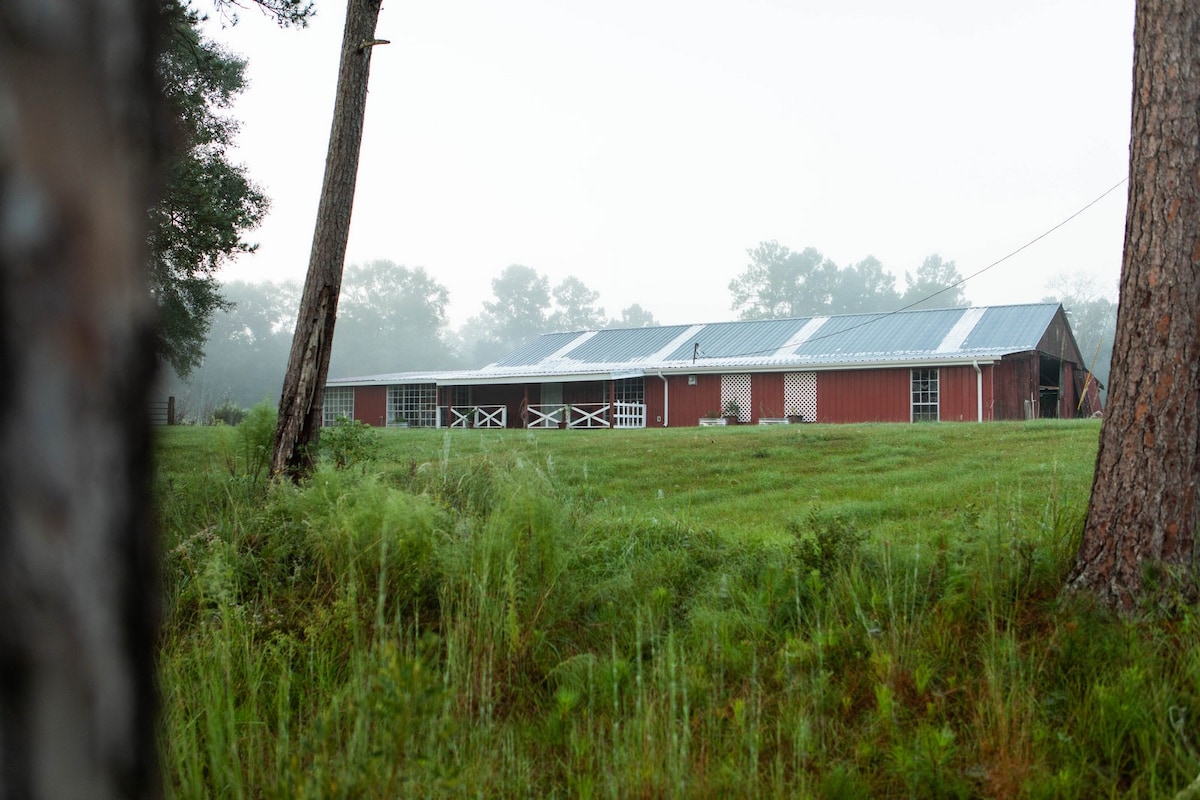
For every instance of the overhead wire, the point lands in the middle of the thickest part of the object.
(699, 353)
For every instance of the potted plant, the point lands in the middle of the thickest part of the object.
(711, 418)
(731, 412)
(794, 417)
(398, 421)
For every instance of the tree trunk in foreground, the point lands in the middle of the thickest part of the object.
(308, 364)
(77, 587)
(1139, 541)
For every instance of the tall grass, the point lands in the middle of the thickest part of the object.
(860, 611)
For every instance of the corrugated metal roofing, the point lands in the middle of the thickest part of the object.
(625, 344)
(740, 339)
(1003, 324)
(925, 336)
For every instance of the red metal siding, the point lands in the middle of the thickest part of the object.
(766, 395)
(871, 395)
(370, 405)
(956, 394)
(653, 395)
(689, 403)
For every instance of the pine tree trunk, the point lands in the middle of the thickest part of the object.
(77, 586)
(308, 364)
(1139, 541)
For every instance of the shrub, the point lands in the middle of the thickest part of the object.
(823, 543)
(228, 414)
(349, 442)
(249, 453)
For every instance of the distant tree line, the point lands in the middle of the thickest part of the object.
(780, 282)
(391, 318)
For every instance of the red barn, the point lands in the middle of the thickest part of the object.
(955, 364)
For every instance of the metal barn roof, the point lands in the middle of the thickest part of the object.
(979, 334)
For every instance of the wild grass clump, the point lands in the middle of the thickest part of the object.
(504, 615)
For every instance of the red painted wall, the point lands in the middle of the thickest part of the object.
(689, 403)
(872, 395)
(766, 395)
(956, 395)
(653, 395)
(370, 405)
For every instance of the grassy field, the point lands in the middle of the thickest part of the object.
(784, 611)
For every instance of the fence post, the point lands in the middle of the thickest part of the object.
(171, 409)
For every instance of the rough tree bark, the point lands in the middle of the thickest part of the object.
(308, 364)
(77, 615)
(1140, 535)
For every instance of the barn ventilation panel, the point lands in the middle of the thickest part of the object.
(737, 389)
(800, 395)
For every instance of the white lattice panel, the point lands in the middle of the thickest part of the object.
(737, 389)
(800, 394)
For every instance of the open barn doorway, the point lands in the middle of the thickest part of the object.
(1049, 386)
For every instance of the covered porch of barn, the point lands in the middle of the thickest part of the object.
(589, 402)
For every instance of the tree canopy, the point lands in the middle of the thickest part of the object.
(208, 204)
(576, 307)
(390, 318)
(935, 284)
(1093, 317)
(779, 282)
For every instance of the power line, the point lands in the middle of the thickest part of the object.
(960, 282)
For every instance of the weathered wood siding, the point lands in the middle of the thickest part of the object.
(1016, 380)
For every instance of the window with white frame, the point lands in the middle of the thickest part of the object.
(630, 390)
(413, 403)
(339, 402)
(924, 395)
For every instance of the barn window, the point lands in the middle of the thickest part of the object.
(414, 403)
(630, 390)
(924, 395)
(339, 402)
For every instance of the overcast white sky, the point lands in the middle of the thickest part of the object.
(643, 146)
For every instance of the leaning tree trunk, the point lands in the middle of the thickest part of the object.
(77, 589)
(308, 364)
(1141, 524)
